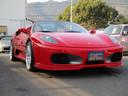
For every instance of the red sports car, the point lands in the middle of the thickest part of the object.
(64, 46)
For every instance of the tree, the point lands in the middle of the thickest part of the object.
(91, 14)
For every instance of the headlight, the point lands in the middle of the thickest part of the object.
(0, 46)
(114, 40)
(3, 44)
(48, 39)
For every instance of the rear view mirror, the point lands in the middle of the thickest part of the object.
(24, 30)
(93, 31)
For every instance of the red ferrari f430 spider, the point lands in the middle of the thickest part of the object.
(64, 46)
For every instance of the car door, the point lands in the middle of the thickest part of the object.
(124, 39)
(20, 40)
(23, 38)
(16, 39)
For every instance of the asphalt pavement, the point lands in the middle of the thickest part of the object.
(15, 80)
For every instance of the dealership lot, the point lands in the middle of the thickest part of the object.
(15, 80)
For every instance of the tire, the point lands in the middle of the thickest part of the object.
(29, 60)
(12, 56)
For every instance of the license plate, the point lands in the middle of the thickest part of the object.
(96, 56)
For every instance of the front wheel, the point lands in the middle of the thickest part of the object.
(29, 57)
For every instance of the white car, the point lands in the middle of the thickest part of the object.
(5, 43)
(120, 32)
(1, 48)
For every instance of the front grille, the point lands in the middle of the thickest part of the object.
(62, 58)
(116, 57)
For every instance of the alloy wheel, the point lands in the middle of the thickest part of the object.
(28, 57)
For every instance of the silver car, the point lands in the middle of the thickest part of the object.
(5, 43)
(120, 32)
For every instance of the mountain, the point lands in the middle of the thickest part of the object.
(46, 10)
(51, 9)
(120, 5)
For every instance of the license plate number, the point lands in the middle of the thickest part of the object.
(96, 56)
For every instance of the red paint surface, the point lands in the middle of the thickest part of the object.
(78, 44)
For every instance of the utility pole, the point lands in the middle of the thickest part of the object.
(71, 10)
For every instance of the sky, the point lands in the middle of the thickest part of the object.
(30, 1)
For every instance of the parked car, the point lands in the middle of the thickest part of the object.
(1, 48)
(5, 43)
(120, 32)
(64, 46)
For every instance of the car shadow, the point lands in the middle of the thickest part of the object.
(84, 73)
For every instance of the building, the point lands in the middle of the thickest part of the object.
(12, 15)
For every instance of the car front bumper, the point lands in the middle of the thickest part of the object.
(43, 57)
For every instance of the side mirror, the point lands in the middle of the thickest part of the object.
(93, 31)
(24, 30)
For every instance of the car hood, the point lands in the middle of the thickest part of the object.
(79, 40)
(83, 40)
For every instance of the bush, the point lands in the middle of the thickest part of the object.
(92, 14)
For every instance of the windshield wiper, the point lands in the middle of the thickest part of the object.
(72, 31)
(45, 31)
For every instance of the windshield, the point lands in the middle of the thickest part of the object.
(113, 30)
(58, 27)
